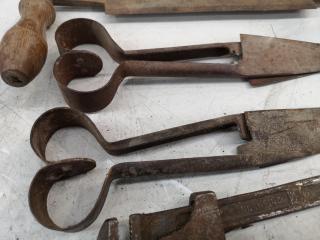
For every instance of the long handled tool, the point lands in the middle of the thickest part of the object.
(23, 49)
(259, 60)
(275, 137)
(208, 218)
(239, 211)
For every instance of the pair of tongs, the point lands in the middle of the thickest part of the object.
(262, 60)
(208, 218)
(274, 136)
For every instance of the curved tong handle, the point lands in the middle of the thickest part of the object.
(23, 49)
(53, 173)
(78, 64)
(79, 31)
(238, 211)
(56, 119)
(59, 118)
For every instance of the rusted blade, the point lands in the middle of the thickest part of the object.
(282, 135)
(117, 7)
(266, 56)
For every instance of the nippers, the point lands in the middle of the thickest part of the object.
(260, 60)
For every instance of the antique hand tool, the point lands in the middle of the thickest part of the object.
(261, 60)
(273, 135)
(276, 136)
(236, 212)
(209, 219)
(23, 49)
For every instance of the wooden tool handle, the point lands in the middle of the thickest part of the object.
(23, 49)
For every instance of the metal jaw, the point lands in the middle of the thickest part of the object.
(209, 219)
(261, 60)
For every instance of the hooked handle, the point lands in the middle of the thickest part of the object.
(23, 49)
(60, 118)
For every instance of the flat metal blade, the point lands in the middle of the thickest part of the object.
(282, 135)
(257, 82)
(275, 57)
(118, 7)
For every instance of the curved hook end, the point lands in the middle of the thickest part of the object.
(76, 64)
(50, 122)
(45, 179)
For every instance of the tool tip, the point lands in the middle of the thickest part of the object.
(15, 78)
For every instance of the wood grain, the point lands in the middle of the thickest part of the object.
(23, 49)
(118, 7)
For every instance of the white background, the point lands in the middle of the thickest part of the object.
(143, 107)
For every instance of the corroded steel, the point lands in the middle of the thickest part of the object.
(209, 219)
(261, 60)
(275, 137)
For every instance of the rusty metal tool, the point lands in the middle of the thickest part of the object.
(23, 49)
(236, 212)
(275, 137)
(260, 60)
(208, 218)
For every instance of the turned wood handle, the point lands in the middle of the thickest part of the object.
(23, 49)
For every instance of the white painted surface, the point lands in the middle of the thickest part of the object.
(144, 107)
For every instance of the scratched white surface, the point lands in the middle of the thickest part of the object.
(142, 107)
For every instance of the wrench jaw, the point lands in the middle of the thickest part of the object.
(200, 220)
(109, 230)
(46, 178)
